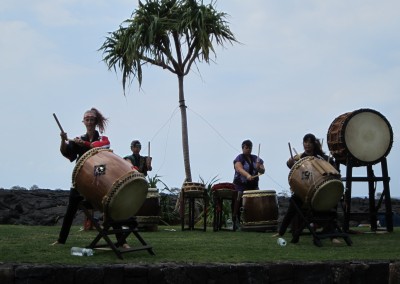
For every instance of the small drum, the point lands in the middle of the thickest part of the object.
(148, 216)
(108, 182)
(223, 190)
(362, 137)
(316, 182)
(260, 210)
(193, 189)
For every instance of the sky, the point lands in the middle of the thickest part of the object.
(299, 66)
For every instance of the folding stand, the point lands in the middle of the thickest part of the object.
(124, 227)
(308, 217)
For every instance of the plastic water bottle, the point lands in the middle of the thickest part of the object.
(281, 242)
(229, 224)
(81, 251)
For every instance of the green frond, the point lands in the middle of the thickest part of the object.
(147, 37)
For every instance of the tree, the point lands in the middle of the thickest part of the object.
(173, 35)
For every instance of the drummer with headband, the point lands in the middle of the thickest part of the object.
(312, 147)
(248, 168)
(73, 149)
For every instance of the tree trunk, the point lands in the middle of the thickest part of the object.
(185, 139)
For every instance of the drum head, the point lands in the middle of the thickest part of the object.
(368, 136)
(327, 195)
(127, 197)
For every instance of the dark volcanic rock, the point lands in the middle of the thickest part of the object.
(47, 207)
(34, 207)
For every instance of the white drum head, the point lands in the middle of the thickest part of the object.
(368, 136)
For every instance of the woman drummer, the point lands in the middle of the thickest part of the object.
(73, 150)
(312, 147)
(247, 167)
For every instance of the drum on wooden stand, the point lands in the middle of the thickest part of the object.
(316, 182)
(223, 190)
(259, 210)
(362, 137)
(148, 215)
(109, 183)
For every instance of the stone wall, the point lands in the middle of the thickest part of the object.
(272, 273)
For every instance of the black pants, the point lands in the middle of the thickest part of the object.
(72, 208)
(291, 214)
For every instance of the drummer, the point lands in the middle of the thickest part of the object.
(73, 149)
(140, 163)
(312, 147)
(247, 167)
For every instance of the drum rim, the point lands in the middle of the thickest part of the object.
(116, 187)
(296, 166)
(223, 185)
(310, 200)
(259, 191)
(82, 160)
(354, 160)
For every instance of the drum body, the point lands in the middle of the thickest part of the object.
(260, 210)
(361, 137)
(223, 190)
(316, 182)
(148, 215)
(108, 182)
(193, 189)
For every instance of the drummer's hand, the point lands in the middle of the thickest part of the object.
(249, 177)
(260, 168)
(64, 136)
(79, 141)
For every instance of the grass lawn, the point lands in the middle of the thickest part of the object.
(31, 244)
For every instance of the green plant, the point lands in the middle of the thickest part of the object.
(210, 202)
(153, 181)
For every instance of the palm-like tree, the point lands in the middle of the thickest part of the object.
(171, 34)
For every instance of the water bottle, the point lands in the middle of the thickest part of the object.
(81, 251)
(281, 242)
(229, 224)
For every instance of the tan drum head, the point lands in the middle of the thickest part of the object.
(126, 197)
(362, 137)
(327, 196)
(368, 136)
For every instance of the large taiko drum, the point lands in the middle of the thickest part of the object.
(316, 182)
(362, 137)
(259, 210)
(109, 183)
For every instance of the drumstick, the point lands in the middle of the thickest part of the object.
(290, 150)
(257, 175)
(59, 125)
(149, 149)
(258, 155)
(294, 150)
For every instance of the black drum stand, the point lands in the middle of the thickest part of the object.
(109, 227)
(373, 208)
(310, 219)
